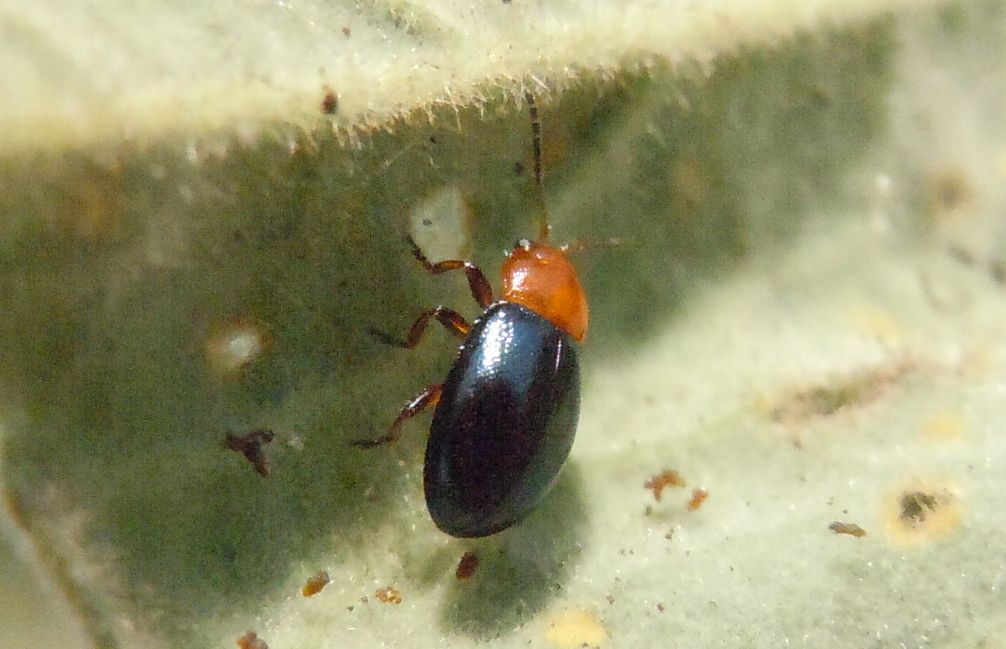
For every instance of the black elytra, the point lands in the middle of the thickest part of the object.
(504, 424)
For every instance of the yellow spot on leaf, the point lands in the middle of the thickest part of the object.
(944, 428)
(922, 512)
(575, 628)
(877, 324)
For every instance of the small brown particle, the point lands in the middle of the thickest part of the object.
(315, 583)
(330, 102)
(611, 600)
(250, 640)
(346, 31)
(698, 497)
(388, 595)
(915, 505)
(847, 528)
(250, 446)
(467, 566)
(950, 193)
(660, 607)
(660, 481)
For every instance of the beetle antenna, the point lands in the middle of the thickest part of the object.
(536, 143)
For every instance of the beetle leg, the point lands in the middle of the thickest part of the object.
(425, 399)
(477, 282)
(451, 320)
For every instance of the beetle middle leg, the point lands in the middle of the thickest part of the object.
(477, 282)
(425, 399)
(450, 319)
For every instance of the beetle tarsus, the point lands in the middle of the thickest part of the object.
(373, 443)
(386, 338)
(425, 399)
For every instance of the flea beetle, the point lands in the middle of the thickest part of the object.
(506, 415)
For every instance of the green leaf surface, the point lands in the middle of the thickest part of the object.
(803, 317)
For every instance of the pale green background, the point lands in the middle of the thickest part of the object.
(805, 317)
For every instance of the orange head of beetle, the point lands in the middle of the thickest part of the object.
(540, 277)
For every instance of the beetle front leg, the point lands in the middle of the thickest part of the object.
(425, 399)
(450, 319)
(477, 282)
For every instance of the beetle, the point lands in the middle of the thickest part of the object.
(507, 413)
